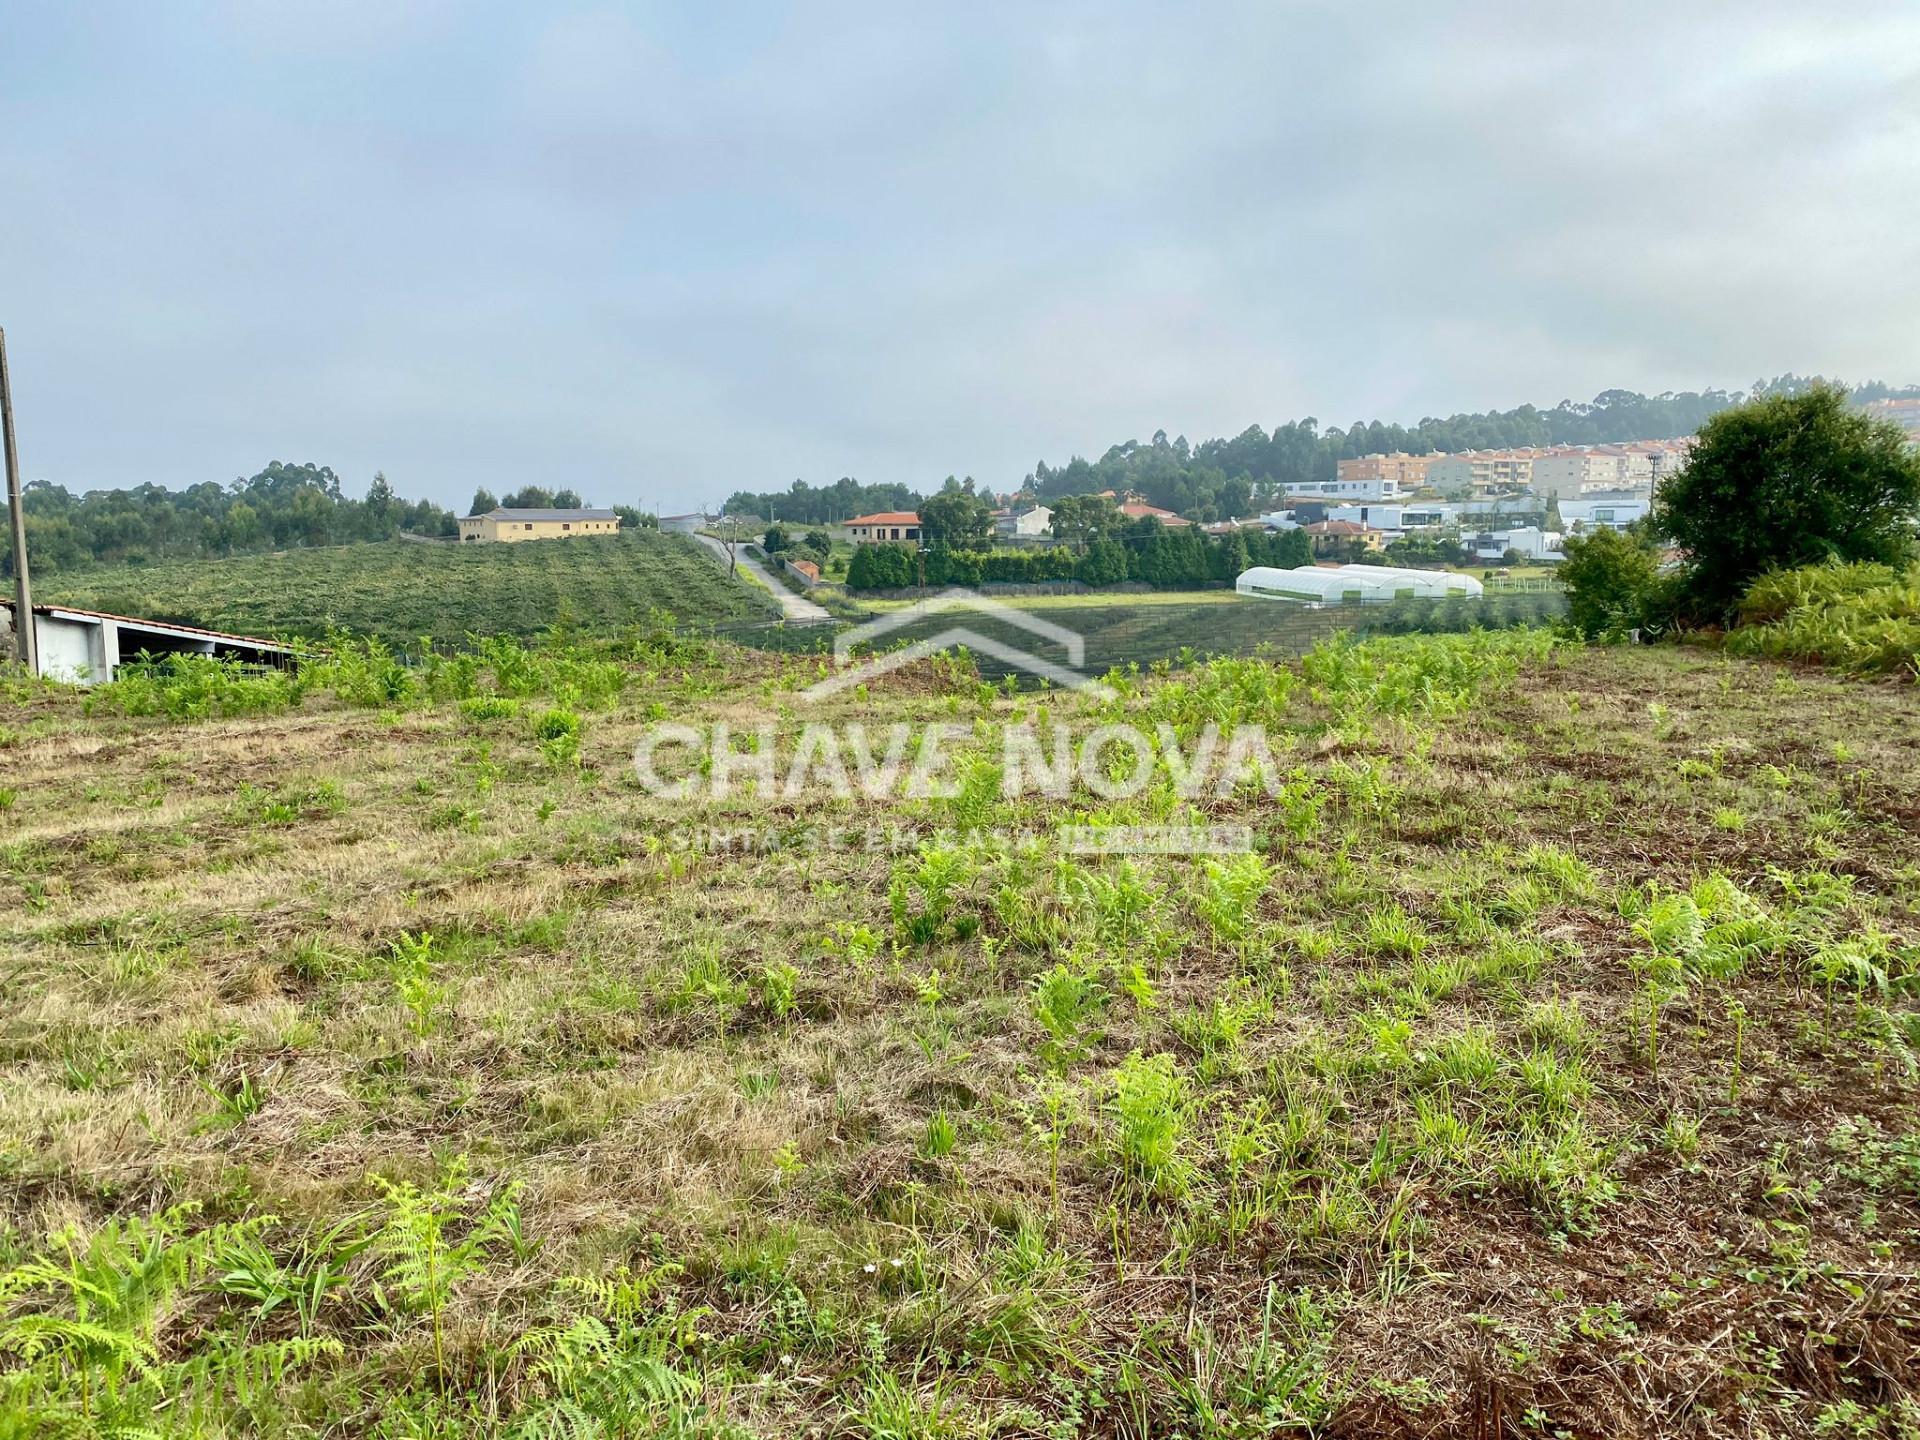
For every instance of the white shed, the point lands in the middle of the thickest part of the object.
(87, 647)
(1353, 584)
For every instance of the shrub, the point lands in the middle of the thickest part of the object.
(558, 732)
(1786, 481)
(197, 687)
(1863, 618)
(1613, 582)
(1149, 1107)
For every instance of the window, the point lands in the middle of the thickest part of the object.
(529, 525)
(565, 526)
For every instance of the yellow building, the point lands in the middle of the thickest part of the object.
(514, 525)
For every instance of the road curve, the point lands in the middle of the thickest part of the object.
(792, 606)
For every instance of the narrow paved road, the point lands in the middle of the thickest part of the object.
(792, 606)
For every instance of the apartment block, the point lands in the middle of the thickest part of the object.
(1568, 474)
(1409, 472)
(1478, 470)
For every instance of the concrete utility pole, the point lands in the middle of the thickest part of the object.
(25, 642)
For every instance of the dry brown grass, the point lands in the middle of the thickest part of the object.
(160, 947)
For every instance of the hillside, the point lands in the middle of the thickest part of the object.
(1547, 1067)
(401, 591)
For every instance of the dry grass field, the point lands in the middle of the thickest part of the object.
(382, 1065)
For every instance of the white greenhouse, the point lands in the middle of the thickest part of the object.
(1354, 584)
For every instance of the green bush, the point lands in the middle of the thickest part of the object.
(196, 687)
(1783, 482)
(1613, 583)
(1859, 618)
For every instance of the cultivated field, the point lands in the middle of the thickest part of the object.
(380, 1066)
(402, 591)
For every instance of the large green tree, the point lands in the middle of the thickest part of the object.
(958, 519)
(1787, 480)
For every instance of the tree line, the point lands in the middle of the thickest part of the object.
(1142, 551)
(283, 507)
(1225, 479)
(804, 504)
(280, 508)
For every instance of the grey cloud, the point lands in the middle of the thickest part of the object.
(669, 252)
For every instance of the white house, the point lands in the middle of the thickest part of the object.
(885, 525)
(683, 524)
(1399, 515)
(1372, 487)
(1012, 524)
(1530, 541)
(1605, 509)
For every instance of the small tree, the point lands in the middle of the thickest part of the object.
(1612, 578)
(1784, 481)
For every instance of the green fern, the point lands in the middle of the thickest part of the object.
(423, 1262)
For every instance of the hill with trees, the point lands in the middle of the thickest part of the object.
(402, 592)
(1221, 479)
(283, 507)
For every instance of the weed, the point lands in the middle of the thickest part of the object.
(940, 1137)
(414, 1236)
(1068, 1002)
(1149, 1108)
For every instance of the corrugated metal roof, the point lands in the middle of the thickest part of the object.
(56, 610)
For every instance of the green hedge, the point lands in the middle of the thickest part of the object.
(1171, 559)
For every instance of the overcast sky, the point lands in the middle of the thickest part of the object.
(660, 253)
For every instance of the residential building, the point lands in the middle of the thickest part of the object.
(885, 525)
(1017, 522)
(1408, 472)
(1140, 510)
(1376, 487)
(1635, 464)
(1903, 411)
(1605, 509)
(1331, 535)
(1666, 458)
(510, 526)
(1400, 515)
(1530, 541)
(1508, 506)
(1473, 472)
(1565, 474)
